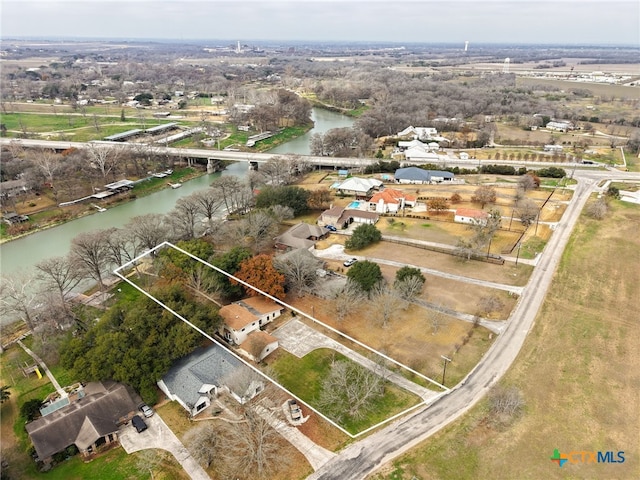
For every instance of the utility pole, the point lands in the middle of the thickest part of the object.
(444, 370)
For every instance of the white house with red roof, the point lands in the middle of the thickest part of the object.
(471, 216)
(391, 200)
(242, 322)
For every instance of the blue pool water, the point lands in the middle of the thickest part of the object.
(354, 205)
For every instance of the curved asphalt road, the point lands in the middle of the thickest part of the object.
(366, 456)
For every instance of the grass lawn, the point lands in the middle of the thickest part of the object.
(577, 372)
(304, 377)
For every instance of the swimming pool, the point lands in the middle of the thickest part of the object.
(354, 205)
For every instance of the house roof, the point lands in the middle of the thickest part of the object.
(84, 421)
(256, 341)
(236, 316)
(471, 212)
(260, 305)
(421, 152)
(299, 236)
(391, 195)
(357, 184)
(419, 174)
(206, 365)
(333, 212)
(358, 214)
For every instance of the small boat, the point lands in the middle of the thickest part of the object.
(99, 208)
(175, 185)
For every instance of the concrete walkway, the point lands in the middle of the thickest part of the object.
(55, 383)
(314, 453)
(159, 435)
(299, 339)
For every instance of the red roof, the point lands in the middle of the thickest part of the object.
(391, 195)
(470, 212)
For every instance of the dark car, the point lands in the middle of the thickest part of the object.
(331, 228)
(138, 423)
(348, 263)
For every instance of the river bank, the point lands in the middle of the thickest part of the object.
(74, 212)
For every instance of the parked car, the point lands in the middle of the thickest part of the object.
(331, 228)
(294, 409)
(138, 423)
(348, 263)
(146, 410)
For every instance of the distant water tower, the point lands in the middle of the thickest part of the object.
(466, 45)
(505, 67)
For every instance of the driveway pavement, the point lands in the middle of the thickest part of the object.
(158, 435)
(299, 339)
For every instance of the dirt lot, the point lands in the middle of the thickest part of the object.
(577, 372)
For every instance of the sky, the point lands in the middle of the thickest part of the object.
(601, 22)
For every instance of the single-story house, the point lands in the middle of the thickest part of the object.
(90, 422)
(561, 126)
(419, 175)
(13, 218)
(463, 156)
(471, 216)
(421, 154)
(421, 133)
(259, 345)
(553, 148)
(196, 379)
(360, 187)
(241, 318)
(301, 235)
(341, 217)
(11, 188)
(391, 200)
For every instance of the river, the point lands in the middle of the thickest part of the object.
(324, 120)
(24, 253)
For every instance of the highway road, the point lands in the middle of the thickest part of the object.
(364, 457)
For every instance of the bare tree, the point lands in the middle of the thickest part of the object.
(409, 288)
(48, 162)
(300, 270)
(527, 211)
(183, 219)
(598, 209)
(208, 202)
(346, 299)
(350, 389)
(149, 230)
(484, 194)
(252, 448)
(505, 404)
(437, 319)
(89, 251)
(489, 304)
(18, 296)
(384, 303)
(235, 194)
(60, 273)
(103, 158)
(527, 182)
(276, 171)
(281, 212)
(203, 443)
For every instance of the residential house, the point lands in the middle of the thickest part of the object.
(360, 187)
(246, 316)
(341, 217)
(471, 216)
(301, 235)
(561, 126)
(421, 154)
(391, 201)
(415, 175)
(90, 421)
(463, 156)
(553, 148)
(12, 188)
(196, 379)
(418, 133)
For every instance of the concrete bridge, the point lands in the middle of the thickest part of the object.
(448, 159)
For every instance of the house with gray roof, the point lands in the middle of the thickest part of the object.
(196, 379)
(415, 175)
(301, 235)
(90, 421)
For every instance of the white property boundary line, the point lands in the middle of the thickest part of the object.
(280, 302)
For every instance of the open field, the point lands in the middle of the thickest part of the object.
(577, 372)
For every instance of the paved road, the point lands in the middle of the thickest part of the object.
(366, 456)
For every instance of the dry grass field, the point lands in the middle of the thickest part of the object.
(578, 372)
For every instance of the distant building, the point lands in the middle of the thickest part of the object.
(563, 126)
(360, 187)
(553, 148)
(415, 175)
(471, 216)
